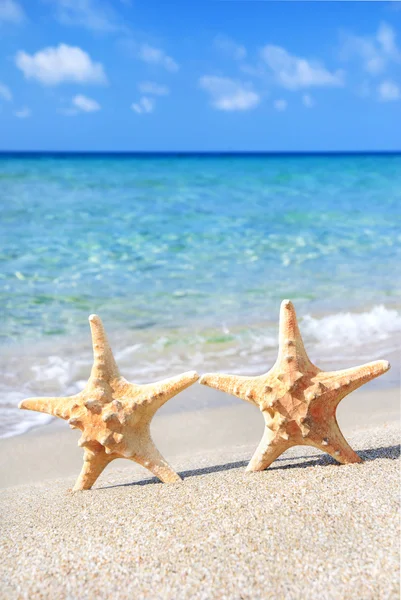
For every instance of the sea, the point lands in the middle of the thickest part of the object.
(186, 258)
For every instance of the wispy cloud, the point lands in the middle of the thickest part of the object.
(308, 101)
(97, 15)
(85, 104)
(280, 105)
(144, 105)
(5, 92)
(23, 113)
(389, 91)
(152, 88)
(375, 52)
(157, 56)
(55, 65)
(11, 11)
(293, 72)
(229, 47)
(80, 104)
(228, 94)
(386, 38)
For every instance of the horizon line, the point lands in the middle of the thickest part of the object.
(161, 153)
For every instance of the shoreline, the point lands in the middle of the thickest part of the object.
(54, 375)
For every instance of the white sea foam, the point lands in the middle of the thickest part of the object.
(56, 370)
(12, 426)
(353, 329)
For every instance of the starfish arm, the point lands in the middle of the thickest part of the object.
(333, 442)
(95, 461)
(162, 391)
(58, 407)
(291, 346)
(149, 457)
(348, 380)
(104, 365)
(236, 385)
(270, 448)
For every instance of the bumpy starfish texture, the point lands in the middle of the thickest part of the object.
(113, 414)
(298, 400)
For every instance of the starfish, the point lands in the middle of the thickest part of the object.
(113, 414)
(298, 401)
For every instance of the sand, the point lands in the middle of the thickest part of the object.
(305, 528)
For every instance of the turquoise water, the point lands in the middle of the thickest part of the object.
(192, 255)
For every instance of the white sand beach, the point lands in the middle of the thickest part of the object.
(306, 527)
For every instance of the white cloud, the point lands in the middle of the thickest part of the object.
(23, 113)
(228, 94)
(386, 38)
(229, 47)
(280, 105)
(308, 101)
(373, 61)
(144, 105)
(80, 104)
(157, 56)
(97, 15)
(375, 52)
(85, 104)
(5, 92)
(293, 72)
(11, 11)
(152, 88)
(52, 66)
(389, 91)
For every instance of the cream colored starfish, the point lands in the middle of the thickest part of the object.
(113, 414)
(298, 400)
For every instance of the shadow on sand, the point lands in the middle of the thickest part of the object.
(316, 460)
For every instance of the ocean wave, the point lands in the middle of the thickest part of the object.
(353, 329)
(15, 424)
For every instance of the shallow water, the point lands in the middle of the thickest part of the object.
(186, 259)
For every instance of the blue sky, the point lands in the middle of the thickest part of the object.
(231, 76)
